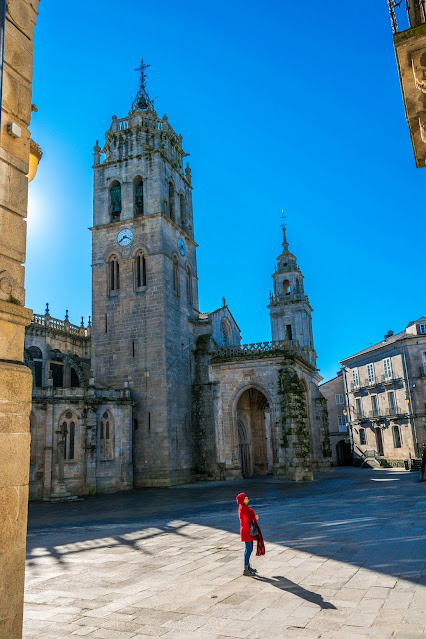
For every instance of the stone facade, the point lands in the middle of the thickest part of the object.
(386, 390)
(202, 405)
(98, 420)
(15, 379)
(334, 392)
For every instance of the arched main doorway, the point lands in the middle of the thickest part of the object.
(343, 453)
(253, 439)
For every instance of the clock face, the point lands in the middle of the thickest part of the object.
(125, 237)
(181, 246)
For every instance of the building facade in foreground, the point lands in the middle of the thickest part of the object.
(385, 387)
(155, 392)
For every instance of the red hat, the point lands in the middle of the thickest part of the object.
(240, 498)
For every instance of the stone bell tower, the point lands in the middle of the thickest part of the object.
(289, 307)
(144, 276)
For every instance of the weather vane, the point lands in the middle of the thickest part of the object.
(283, 217)
(142, 99)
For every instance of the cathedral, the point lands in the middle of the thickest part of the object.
(153, 392)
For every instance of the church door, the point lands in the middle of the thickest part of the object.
(245, 450)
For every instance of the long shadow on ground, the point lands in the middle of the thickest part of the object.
(373, 519)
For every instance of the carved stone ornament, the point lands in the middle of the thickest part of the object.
(418, 63)
(422, 125)
(10, 290)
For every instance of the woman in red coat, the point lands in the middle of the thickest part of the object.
(246, 515)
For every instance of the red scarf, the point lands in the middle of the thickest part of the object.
(260, 549)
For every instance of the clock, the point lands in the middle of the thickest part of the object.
(125, 237)
(181, 246)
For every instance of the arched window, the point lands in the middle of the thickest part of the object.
(189, 285)
(171, 201)
(106, 436)
(37, 356)
(140, 270)
(225, 332)
(75, 381)
(67, 427)
(176, 275)
(114, 274)
(182, 204)
(138, 193)
(115, 201)
(57, 368)
(286, 287)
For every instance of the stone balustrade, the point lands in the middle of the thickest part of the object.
(61, 326)
(282, 348)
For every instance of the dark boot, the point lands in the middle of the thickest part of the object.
(247, 572)
(252, 570)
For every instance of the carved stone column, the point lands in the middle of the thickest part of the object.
(15, 378)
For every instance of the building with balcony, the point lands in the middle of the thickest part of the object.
(334, 392)
(385, 389)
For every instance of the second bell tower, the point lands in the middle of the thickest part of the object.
(289, 306)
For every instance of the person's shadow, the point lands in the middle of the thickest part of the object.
(285, 584)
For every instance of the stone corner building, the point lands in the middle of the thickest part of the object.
(153, 392)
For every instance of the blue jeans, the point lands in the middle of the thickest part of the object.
(247, 552)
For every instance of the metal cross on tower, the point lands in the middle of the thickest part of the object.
(142, 99)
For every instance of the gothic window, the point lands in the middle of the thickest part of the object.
(171, 201)
(182, 209)
(115, 201)
(140, 270)
(138, 192)
(106, 436)
(286, 287)
(57, 369)
(37, 356)
(176, 275)
(67, 427)
(189, 284)
(114, 274)
(75, 381)
(225, 333)
(362, 437)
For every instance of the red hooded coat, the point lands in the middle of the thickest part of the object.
(246, 515)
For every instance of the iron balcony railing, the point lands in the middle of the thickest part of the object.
(407, 13)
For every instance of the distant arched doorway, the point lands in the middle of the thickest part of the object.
(252, 436)
(343, 453)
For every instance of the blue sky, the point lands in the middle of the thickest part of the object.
(281, 106)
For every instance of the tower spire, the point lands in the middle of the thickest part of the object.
(142, 99)
(285, 243)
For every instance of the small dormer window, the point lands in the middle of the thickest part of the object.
(422, 329)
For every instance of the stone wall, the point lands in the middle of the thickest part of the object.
(15, 379)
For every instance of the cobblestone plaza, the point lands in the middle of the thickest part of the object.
(345, 557)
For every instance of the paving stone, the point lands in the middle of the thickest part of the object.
(99, 570)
